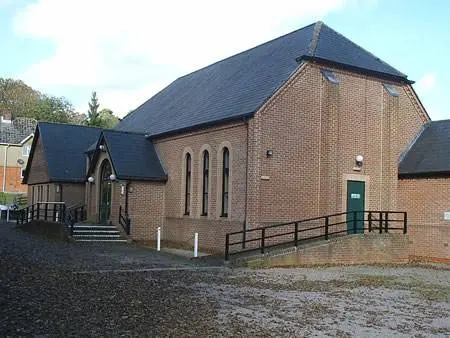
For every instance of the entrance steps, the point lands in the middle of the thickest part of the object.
(97, 233)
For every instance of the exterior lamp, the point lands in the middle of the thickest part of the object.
(359, 160)
(91, 179)
(269, 153)
(101, 147)
(112, 177)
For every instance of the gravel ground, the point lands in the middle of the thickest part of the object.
(50, 288)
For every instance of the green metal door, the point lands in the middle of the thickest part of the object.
(355, 207)
(105, 192)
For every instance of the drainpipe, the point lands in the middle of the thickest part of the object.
(245, 225)
(5, 164)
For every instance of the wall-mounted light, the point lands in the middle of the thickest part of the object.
(359, 160)
(58, 188)
(90, 179)
(269, 153)
(112, 177)
(102, 147)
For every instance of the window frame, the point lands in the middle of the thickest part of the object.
(187, 184)
(225, 173)
(205, 187)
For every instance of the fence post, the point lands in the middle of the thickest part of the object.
(45, 211)
(296, 234)
(381, 223)
(158, 239)
(405, 222)
(120, 212)
(54, 212)
(227, 244)
(370, 221)
(32, 212)
(263, 235)
(354, 222)
(386, 222)
(38, 211)
(327, 223)
(196, 245)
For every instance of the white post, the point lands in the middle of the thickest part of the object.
(158, 239)
(29, 216)
(7, 215)
(196, 245)
(57, 216)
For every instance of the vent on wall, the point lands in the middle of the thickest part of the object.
(329, 75)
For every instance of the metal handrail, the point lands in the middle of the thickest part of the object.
(124, 220)
(376, 220)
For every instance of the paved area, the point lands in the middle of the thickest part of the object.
(50, 288)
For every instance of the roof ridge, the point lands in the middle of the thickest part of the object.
(68, 124)
(315, 38)
(123, 132)
(365, 50)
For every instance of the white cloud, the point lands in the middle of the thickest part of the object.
(124, 48)
(426, 83)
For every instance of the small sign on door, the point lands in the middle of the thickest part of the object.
(355, 196)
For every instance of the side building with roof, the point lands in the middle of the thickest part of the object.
(56, 170)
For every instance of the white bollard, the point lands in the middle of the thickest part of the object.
(29, 216)
(57, 216)
(196, 245)
(158, 239)
(7, 215)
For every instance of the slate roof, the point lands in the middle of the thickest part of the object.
(236, 87)
(133, 156)
(430, 154)
(17, 130)
(64, 147)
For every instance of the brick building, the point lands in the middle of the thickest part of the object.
(16, 137)
(304, 125)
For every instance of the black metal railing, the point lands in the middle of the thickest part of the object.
(52, 212)
(46, 211)
(124, 220)
(312, 229)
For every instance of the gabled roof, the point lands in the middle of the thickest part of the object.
(16, 131)
(133, 156)
(238, 86)
(64, 146)
(430, 153)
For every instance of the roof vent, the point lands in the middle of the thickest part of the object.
(329, 75)
(390, 89)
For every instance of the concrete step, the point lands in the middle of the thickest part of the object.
(97, 233)
(103, 240)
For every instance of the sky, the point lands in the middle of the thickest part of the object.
(127, 51)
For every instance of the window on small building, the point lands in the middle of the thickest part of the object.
(205, 183)
(187, 195)
(390, 89)
(26, 150)
(225, 181)
(329, 75)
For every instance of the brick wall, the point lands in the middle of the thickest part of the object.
(315, 130)
(38, 171)
(426, 200)
(13, 181)
(354, 249)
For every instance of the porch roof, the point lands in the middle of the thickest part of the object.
(133, 156)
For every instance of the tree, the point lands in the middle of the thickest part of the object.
(107, 118)
(93, 116)
(20, 100)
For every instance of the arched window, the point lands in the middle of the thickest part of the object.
(225, 181)
(205, 183)
(187, 193)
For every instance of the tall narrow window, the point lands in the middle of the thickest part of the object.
(187, 196)
(205, 182)
(225, 181)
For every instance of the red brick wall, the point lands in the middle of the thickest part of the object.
(38, 171)
(13, 181)
(426, 201)
(354, 249)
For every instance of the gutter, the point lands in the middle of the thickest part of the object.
(5, 164)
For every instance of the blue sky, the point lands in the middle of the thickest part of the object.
(129, 50)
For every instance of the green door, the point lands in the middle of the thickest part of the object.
(105, 192)
(355, 207)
